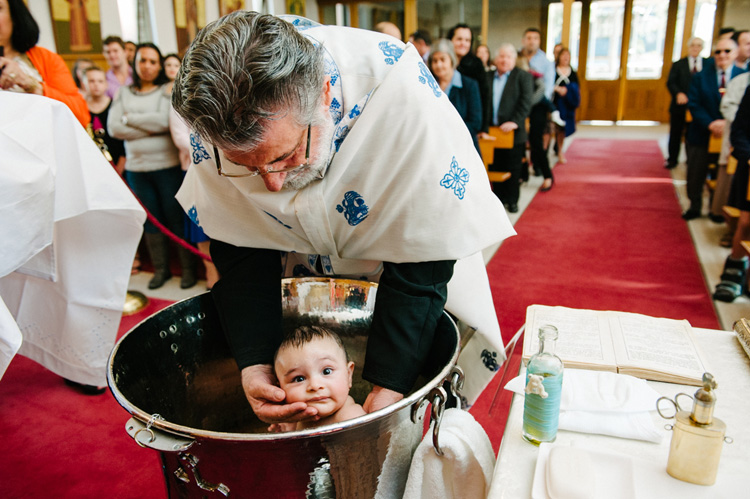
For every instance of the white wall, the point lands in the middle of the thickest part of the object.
(40, 10)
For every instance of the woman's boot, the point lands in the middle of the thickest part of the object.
(187, 263)
(159, 251)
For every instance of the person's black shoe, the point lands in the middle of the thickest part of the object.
(717, 219)
(669, 165)
(691, 214)
(512, 208)
(85, 389)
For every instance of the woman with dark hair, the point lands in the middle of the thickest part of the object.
(567, 98)
(26, 68)
(79, 72)
(140, 116)
(469, 65)
(172, 64)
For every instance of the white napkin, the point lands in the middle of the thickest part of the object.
(465, 469)
(604, 403)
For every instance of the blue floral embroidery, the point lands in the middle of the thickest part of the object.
(335, 110)
(340, 135)
(489, 359)
(199, 152)
(456, 179)
(282, 223)
(302, 24)
(193, 215)
(331, 70)
(391, 51)
(429, 80)
(353, 207)
(356, 111)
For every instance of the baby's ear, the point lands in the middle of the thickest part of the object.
(350, 368)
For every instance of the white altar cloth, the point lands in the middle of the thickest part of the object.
(516, 461)
(70, 228)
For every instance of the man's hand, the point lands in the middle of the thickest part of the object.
(485, 136)
(267, 399)
(681, 98)
(380, 397)
(508, 126)
(717, 127)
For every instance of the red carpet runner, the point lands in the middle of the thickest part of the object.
(608, 236)
(62, 444)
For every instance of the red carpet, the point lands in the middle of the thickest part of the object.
(59, 443)
(608, 236)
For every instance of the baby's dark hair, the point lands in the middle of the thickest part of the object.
(305, 334)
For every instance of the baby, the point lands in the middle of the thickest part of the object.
(312, 366)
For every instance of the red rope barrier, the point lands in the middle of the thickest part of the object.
(171, 235)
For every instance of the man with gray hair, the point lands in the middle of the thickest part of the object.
(678, 83)
(332, 151)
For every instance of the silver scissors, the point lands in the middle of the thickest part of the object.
(674, 405)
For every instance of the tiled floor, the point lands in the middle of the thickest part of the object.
(705, 233)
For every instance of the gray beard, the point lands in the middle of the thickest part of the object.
(320, 155)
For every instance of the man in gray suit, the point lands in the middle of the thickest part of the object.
(511, 90)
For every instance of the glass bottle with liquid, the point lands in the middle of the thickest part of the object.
(544, 375)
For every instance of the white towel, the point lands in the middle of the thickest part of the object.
(465, 469)
(604, 403)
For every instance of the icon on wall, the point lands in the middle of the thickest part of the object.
(76, 26)
(189, 18)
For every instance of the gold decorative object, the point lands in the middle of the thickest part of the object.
(135, 301)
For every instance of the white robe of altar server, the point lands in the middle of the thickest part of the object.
(70, 228)
(405, 185)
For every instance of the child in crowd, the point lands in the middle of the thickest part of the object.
(98, 102)
(312, 366)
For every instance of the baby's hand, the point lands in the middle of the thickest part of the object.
(282, 427)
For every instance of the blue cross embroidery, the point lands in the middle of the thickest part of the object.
(391, 51)
(282, 223)
(193, 215)
(353, 207)
(456, 179)
(429, 80)
(199, 152)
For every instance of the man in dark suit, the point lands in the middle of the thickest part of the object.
(678, 84)
(510, 90)
(704, 99)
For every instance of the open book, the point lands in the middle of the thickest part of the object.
(622, 342)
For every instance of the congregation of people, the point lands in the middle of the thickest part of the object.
(521, 92)
(706, 96)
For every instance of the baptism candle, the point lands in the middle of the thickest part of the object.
(544, 373)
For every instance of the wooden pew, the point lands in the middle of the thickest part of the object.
(487, 147)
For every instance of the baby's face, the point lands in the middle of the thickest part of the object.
(316, 374)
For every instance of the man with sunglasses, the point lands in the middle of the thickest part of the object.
(322, 150)
(704, 99)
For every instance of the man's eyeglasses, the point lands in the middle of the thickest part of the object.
(253, 173)
(719, 51)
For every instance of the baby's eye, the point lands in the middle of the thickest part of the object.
(327, 371)
(298, 379)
